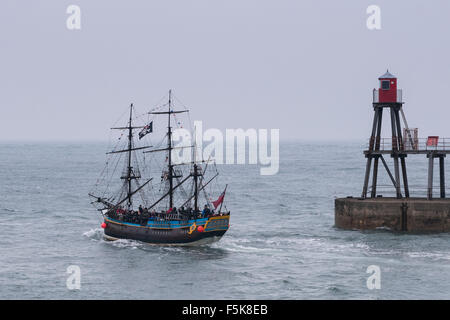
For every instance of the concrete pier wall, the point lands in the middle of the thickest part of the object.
(411, 215)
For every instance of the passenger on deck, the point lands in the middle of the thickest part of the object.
(206, 212)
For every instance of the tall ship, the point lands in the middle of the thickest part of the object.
(177, 207)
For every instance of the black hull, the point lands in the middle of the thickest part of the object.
(177, 236)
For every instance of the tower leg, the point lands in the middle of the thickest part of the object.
(442, 175)
(379, 116)
(394, 132)
(401, 148)
(374, 128)
(399, 130)
(397, 177)
(395, 154)
(369, 156)
(374, 178)
(405, 176)
(379, 120)
(430, 176)
(366, 178)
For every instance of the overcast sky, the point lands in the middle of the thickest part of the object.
(305, 67)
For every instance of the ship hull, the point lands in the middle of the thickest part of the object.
(169, 232)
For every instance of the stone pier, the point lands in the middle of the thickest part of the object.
(415, 215)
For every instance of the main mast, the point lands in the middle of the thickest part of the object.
(129, 171)
(169, 148)
(195, 187)
(170, 172)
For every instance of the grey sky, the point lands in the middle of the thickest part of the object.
(306, 67)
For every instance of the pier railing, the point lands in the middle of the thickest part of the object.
(418, 144)
(415, 190)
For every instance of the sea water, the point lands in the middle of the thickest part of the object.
(282, 243)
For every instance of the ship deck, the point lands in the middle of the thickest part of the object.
(209, 223)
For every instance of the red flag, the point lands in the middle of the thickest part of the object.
(220, 200)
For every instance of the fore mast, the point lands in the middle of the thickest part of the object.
(130, 168)
(130, 174)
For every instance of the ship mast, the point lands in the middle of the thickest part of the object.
(170, 173)
(130, 174)
(195, 187)
(169, 148)
(129, 171)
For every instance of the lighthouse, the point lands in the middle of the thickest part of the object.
(373, 209)
(386, 97)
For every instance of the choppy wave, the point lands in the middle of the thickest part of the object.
(98, 235)
(125, 243)
(429, 255)
(94, 234)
